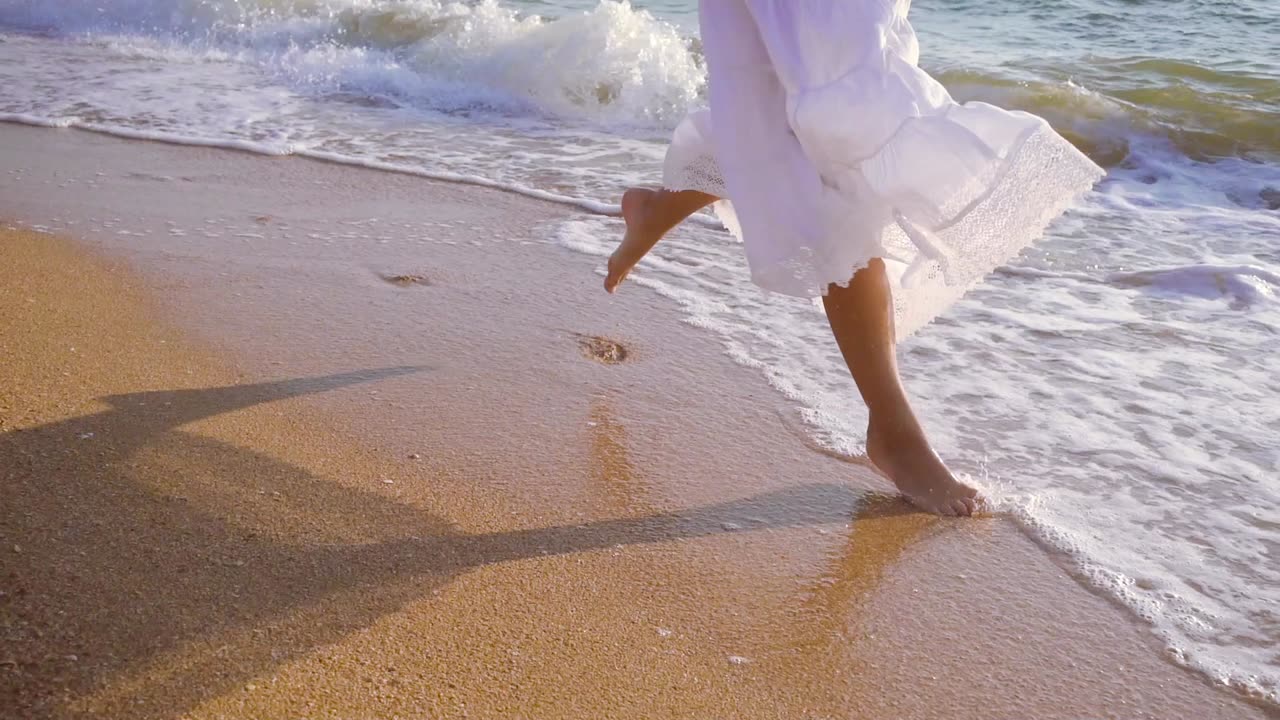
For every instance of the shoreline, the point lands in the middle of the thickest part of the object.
(596, 539)
(578, 203)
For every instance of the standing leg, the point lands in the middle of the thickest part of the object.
(650, 214)
(861, 317)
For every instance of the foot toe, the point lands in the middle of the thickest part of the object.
(611, 278)
(943, 508)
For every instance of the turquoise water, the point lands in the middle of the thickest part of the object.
(1116, 389)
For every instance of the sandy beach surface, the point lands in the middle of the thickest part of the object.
(286, 439)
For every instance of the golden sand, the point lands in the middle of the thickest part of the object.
(180, 540)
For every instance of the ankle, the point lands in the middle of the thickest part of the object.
(897, 441)
(894, 428)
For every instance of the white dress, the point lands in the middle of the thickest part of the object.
(831, 147)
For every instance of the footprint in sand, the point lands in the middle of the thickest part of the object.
(602, 349)
(406, 280)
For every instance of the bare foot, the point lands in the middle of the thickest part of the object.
(903, 455)
(638, 240)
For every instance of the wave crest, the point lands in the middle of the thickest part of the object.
(614, 63)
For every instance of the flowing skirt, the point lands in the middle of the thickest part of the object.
(831, 147)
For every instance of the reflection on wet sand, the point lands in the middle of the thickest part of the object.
(816, 643)
(619, 484)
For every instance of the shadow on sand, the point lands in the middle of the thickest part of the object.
(107, 576)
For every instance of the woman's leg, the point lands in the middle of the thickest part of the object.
(650, 214)
(861, 317)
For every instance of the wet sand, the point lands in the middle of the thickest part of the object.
(248, 475)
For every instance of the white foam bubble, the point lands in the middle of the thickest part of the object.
(1242, 285)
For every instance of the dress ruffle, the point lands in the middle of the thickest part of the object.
(831, 147)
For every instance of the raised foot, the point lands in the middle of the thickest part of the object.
(637, 241)
(907, 460)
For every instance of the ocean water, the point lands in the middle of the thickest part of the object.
(1116, 388)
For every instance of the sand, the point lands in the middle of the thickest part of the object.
(246, 475)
